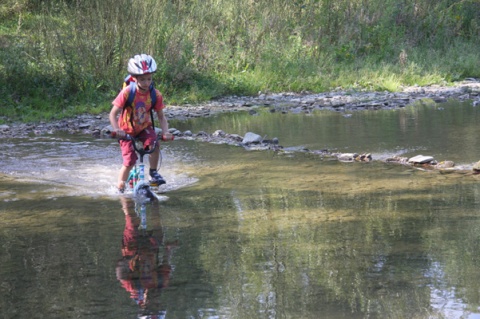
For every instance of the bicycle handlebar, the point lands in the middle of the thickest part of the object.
(139, 148)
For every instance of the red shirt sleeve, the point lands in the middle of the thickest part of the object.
(121, 98)
(159, 105)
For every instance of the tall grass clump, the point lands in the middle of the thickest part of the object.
(70, 53)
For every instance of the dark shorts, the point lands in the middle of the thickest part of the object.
(148, 136)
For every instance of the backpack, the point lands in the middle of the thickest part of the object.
(131, 96)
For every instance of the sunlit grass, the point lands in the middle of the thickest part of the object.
(207, 49)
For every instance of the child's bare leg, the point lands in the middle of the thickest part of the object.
(122, 177)
(153, 158)
(156, 178)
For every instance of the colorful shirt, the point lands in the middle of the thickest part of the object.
(136, 119)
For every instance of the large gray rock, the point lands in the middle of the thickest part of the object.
(251, 138)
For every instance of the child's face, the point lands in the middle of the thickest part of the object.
(144, 81)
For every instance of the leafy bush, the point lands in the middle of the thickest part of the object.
(75, 52)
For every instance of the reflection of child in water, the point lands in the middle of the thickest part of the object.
(140, 271)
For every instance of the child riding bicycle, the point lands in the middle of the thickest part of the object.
(136, 118)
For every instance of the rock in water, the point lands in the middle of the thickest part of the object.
(420, 159)
(250, 138)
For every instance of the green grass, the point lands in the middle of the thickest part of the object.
(60, 58)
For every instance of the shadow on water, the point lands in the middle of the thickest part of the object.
(259, 235)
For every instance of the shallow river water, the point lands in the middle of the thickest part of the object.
(249, 234)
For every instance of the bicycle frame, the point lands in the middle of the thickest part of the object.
(141, 187)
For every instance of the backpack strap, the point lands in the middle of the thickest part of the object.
(153, 98)
(131, 94)
(128, 107)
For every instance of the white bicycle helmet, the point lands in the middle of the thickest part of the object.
(141, 64)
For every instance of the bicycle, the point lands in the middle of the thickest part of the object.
(141, 189)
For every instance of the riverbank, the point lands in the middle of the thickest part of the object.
(338, 101)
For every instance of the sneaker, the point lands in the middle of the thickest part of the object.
(156, 179)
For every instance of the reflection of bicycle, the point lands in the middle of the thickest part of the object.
(142, 189)
(145, 267)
